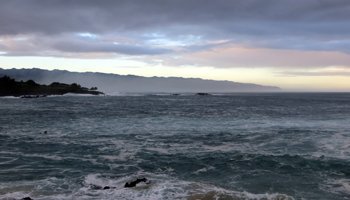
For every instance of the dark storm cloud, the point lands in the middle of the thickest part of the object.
(287, 24)
(246, 16)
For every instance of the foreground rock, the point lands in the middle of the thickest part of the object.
(130, 184)
(135, 182)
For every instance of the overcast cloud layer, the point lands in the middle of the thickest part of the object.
(168, 28)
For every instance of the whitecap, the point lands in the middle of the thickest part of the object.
(161, 187)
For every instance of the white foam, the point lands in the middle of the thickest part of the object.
(158, 150)
(78, 95)
(345, 185)
(204, 169)
(160, 187)
(336, 145)
(338, 186)
(10, 97)
(14, 195)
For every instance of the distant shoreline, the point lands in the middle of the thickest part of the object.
(31, 89)
(181, 94)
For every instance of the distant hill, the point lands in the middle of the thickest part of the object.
(116, 84)
(11, 87)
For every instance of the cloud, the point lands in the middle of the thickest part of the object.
(65, 43)
(253, 17)
(162, 27)
(87, 47)
(330, 71)
(233, 56)
(300, 73)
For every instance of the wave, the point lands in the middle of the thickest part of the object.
(161, 187)
(9, 97)
(337, 186)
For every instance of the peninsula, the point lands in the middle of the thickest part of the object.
(11, 87)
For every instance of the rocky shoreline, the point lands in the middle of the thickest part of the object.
(31, 89)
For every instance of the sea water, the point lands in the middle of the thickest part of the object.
(238, 146)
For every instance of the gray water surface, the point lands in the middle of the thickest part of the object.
(241, 146)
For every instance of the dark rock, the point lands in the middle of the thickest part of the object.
(97, 187)
(26, 198)
(135, 182)
(202, 94)
(108, 187)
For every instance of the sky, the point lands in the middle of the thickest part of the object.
(295, 45)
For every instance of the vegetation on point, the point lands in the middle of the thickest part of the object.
(11, 87)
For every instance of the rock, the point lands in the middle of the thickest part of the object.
(97, 187)
(202, 94)
(26, 198)
(135, 182)
(108, 187)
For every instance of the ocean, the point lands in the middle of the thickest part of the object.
(237, 146)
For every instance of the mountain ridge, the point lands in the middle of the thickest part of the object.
(111, 83)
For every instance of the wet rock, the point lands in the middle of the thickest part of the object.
(97, 187)
(26, 198)
(135, 182)
(108, 187)
(202, 94)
